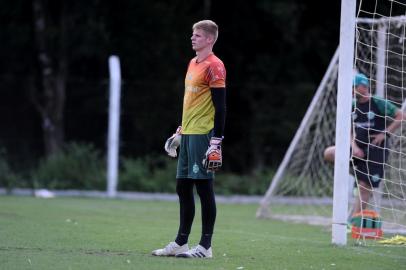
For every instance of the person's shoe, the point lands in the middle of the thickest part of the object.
(171, 250)
(196, 252)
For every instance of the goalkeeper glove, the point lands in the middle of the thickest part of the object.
(213, 158)
(173, 142)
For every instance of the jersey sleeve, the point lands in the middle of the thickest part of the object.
(386, 107)
(216, 75)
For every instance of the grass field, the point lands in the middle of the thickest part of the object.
(72, 233)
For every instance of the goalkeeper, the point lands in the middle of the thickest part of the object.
(200, 138)
(370, 118)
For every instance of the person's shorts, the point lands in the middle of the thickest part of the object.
(371, 170)
(191, 154)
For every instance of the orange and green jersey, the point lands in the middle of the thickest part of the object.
(198, 109)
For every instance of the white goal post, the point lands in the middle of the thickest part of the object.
(303, 177)
(114, 126)
(343, 122)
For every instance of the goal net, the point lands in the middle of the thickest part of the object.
(304, 179)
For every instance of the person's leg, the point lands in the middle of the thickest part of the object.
(378, 157)
(184, 189)
(329, 153)
(362, 183)
(197, 146)
(205, 190)
(369, 175)
(364, 193)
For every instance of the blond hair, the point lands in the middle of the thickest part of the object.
(209, 27)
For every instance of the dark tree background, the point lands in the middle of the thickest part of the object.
(275, 52)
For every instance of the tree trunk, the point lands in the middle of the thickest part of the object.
(50, 99)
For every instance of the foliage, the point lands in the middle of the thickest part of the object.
(275, 53)
(157, 174)
(78, 166)
(254, 184)
(8, 179)
(148, 174)
(300, 185)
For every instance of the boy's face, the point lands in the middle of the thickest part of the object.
(200, 40)
(361, 91)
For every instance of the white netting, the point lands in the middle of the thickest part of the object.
(304, 178)
(380, 54)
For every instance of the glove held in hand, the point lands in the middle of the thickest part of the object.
(213, 158)
(173, 142)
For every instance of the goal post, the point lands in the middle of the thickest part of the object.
(113, 126)
(343, 122)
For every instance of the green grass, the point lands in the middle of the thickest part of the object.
(72, 233)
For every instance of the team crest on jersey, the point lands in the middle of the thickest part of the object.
(371, 115)
(375, 177)
(195, 168)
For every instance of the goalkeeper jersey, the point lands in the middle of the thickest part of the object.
(198, 108)
(369, 118)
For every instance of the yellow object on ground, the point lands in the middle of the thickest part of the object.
(396, 240)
